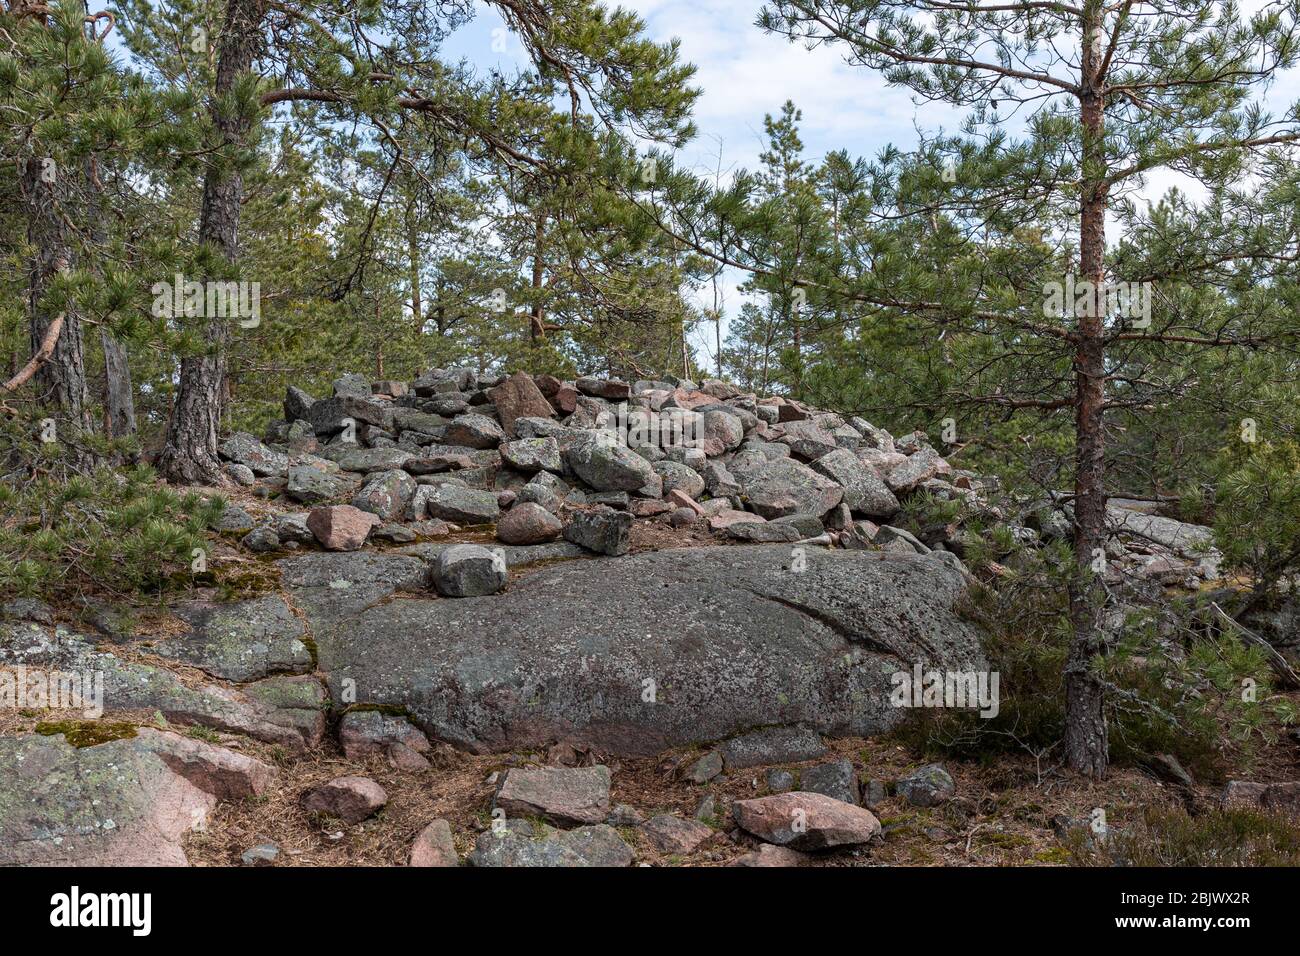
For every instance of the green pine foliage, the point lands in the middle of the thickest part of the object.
(117, 531)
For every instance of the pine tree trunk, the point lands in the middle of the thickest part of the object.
(413, 259)
(190, 454)
(119, 399)
(537, 315)
(60, 381)
(1085, 718)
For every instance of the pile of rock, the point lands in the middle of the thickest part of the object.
(542, 459)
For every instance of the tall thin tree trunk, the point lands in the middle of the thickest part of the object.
(1085, 732)
(537, 317)
(413, 257)
(119, 399)
(190, 454)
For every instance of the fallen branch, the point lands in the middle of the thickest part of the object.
(1290, 679)
(40, 358)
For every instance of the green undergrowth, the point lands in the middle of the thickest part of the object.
(118, 530)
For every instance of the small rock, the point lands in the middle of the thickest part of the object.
(528, 523)
(780, 781)
(532, 454)
(434, 846)
(264, 854)
(773, 745)
(341, 527)
(602, 530)
(350, 799)
(704, 769)
(670, 834)
(805, 821)
(241, 474)
(469, 570)
(466, 506)
(625, 816)
(706, 811)
(365, 733)
(769, 855)
(261, 540)
(474, 431)
(559, 794)
(838, 780)
(515, 844)
(926, 786)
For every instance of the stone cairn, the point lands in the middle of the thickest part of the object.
(537, 459)
(541, 459)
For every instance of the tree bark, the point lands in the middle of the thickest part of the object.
(190, 454)
(61, 379)
(1085, 717)
(119, 399)
(537, 315)
(413, 255)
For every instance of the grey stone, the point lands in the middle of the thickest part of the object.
(733, 640)
(352, 385)
(926, 786)
(296, 403)
(705, 769)
(920, 466)
(331, 415)
(469, 570)
(603, 464)
(898, 540)
(602, 530)
(762, 532)
(239, 642)
(261, 540)
(366, 460)
(679, 477)
(837, 779)
(311, 485)
(562, 795)
(462, 505)
(865, 493)
(244, 449)
(515, 844)
(779, 487)
(386, 494)
(264, 854)
(474, 431)
(779, 780)
(241, 474)
(533, 454)
(773, 745)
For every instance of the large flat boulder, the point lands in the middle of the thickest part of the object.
(683, 646)
(126, 802)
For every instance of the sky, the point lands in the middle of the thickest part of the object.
(745, 73)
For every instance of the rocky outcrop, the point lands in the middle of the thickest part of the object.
(677, 647)
(125, 802)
